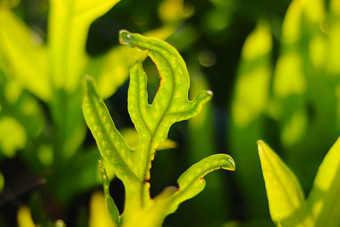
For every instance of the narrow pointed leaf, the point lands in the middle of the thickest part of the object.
(285, 196)
(111, 144)
(324, 198)
(191, 182)
(109, 201)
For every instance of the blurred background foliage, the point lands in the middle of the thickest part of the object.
(273, 68)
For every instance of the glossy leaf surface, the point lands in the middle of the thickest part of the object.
(286, 199)
(192, 182)
(112, 146)
(152, 123)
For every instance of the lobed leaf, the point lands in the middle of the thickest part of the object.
(171, 102)
(192, 182)
(111, 144)
(118, 61)
(285, 196)
(109, 201)
(152, 123)
(324, 199)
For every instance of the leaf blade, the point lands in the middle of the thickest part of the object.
(324, 198)
(191, 182)
(171, 102)
(111, 144)
(285, 196)
(25, 54)
(69, 22)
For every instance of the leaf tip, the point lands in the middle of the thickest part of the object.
(233, 164)
(261, 146)
(125, 37)
(89, 85)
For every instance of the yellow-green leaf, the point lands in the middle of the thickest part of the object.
(111, 70)
(192, 182)
(286, 199)
(111, 144)
(152, 123)
(24, 53)
(324, 198)
(154, 214)
(24, 217)
(69, 22)
(12, 136)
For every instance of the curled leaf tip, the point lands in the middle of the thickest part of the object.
(232, 166)
(125, 37)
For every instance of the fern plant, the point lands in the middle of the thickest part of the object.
(287, 203)
(152, 122)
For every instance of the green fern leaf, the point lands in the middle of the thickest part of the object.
(152, 123)
(112, 146)
(191, 182)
